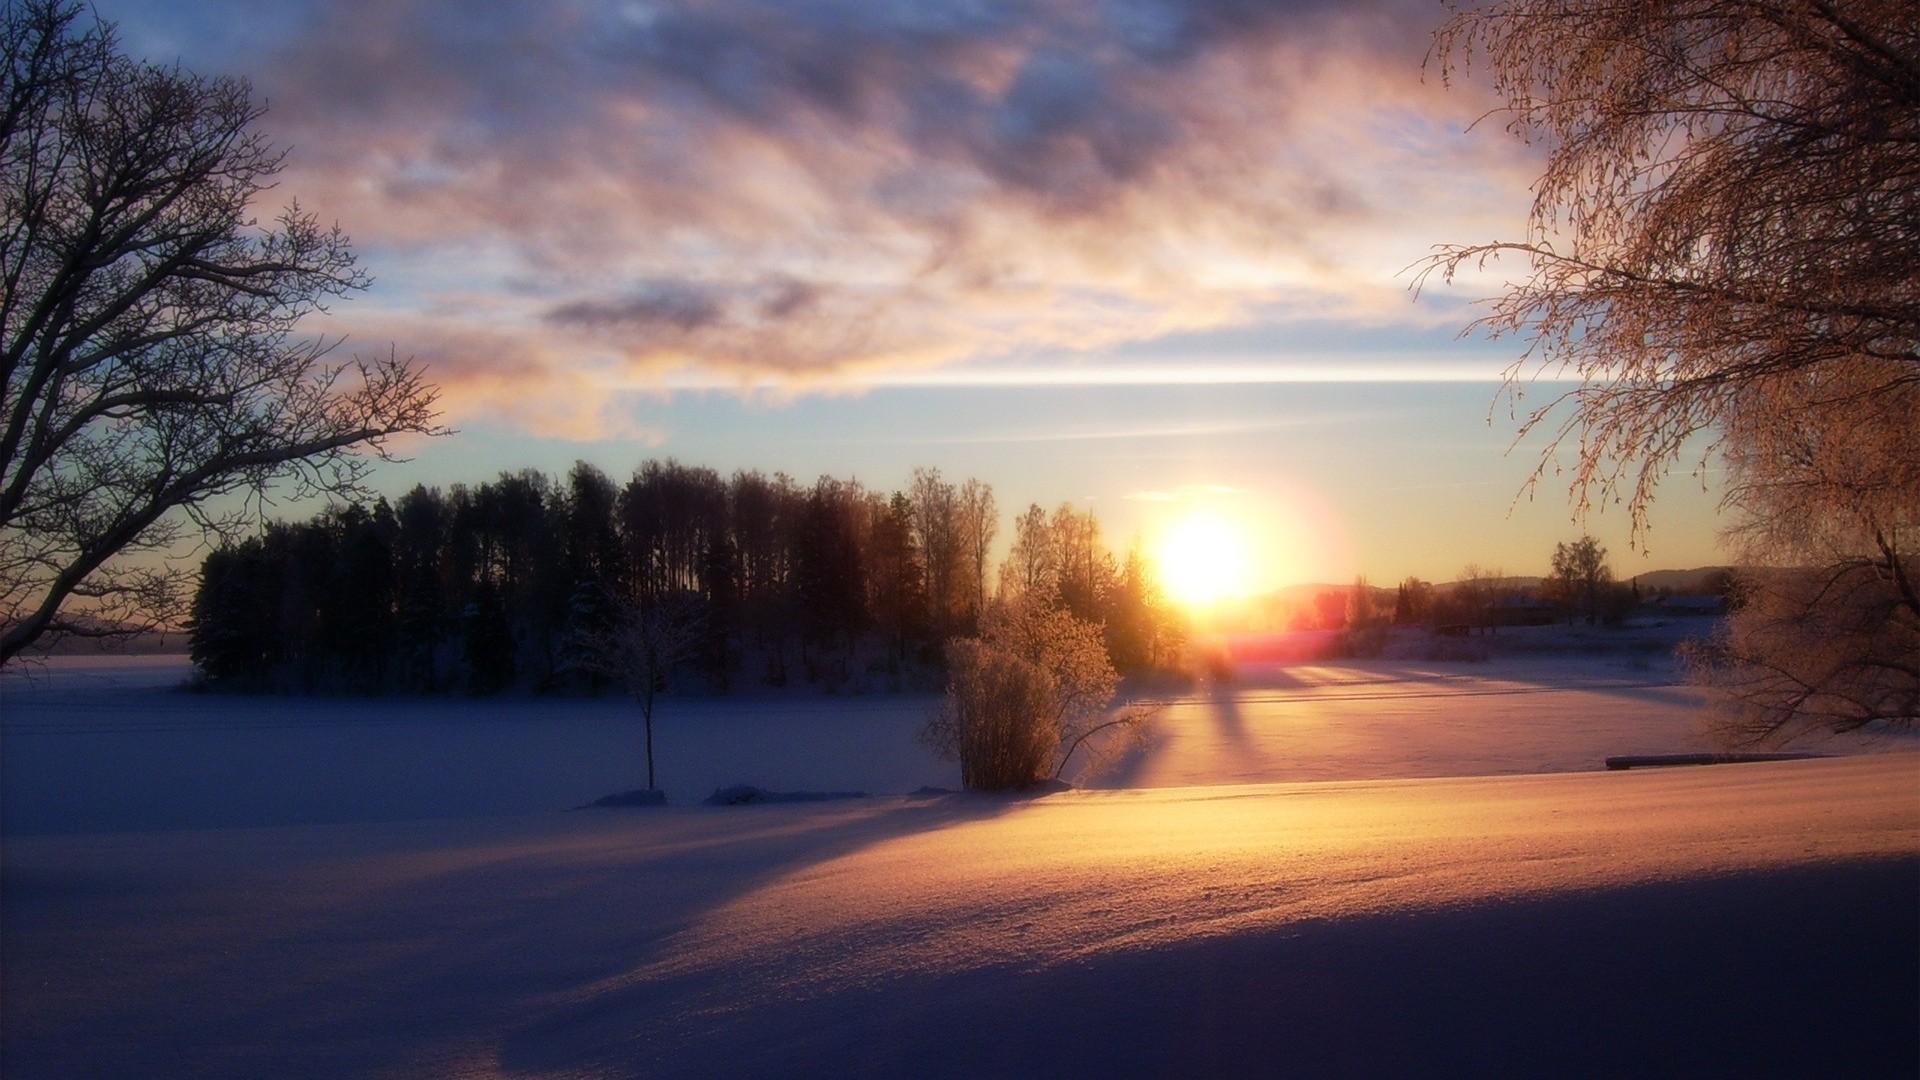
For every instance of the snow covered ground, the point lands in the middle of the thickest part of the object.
(90, 744)
(208, 886)
(1387, 719)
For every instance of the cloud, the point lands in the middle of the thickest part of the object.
(500, 376)
(665, 306)
(1186, 428)
(822, 191)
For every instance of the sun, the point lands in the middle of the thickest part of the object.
(1202, 560)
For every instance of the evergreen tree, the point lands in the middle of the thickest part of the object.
(898, 600)
(488, 642)
(231, 635)
(419, 542)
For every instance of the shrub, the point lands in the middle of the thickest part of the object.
(1365, 643)
(995, 717)
(1022, 700)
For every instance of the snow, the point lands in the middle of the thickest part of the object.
(1380, 719)
(103, 743)
(196, 885)
(965, 933)
(89, 747)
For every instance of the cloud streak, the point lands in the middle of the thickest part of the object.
(1197, 429)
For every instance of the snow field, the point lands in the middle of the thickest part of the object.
(91, 744)
(951, 934)
(208, 886)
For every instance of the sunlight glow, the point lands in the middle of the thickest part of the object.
(1202, 560)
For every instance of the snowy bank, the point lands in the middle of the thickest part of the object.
(1742, 919)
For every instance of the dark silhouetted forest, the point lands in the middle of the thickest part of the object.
(497, 586)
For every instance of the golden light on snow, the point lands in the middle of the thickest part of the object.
(1202, 559)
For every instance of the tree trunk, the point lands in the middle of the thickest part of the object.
(648, 716)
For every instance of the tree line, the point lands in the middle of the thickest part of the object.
(509, 584)
(1579, 587)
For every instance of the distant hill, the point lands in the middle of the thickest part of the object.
(1699, 580)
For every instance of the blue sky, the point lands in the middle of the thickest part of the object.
(1134, 253)
(1385, 478)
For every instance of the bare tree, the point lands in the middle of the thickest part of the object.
(937, 531)
(1724, 243)
(147, 331)
(1362, 610)
(1476, 592)
(1580, 576)
(641, 650)
(979, 522)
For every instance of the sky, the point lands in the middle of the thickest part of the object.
(1146, 256)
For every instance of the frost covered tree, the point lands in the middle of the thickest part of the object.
(1812, 651)
(979, 521)
(1026, 696)
(1030, 573)
(1085, 571)
(148, 338)
(1832, 640)
(992, 719)
(1724, 248)
(1727, 215)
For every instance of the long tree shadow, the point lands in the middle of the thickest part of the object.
(1224, 706)
(372, 982)
(1219, 702)
(1670, 976)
